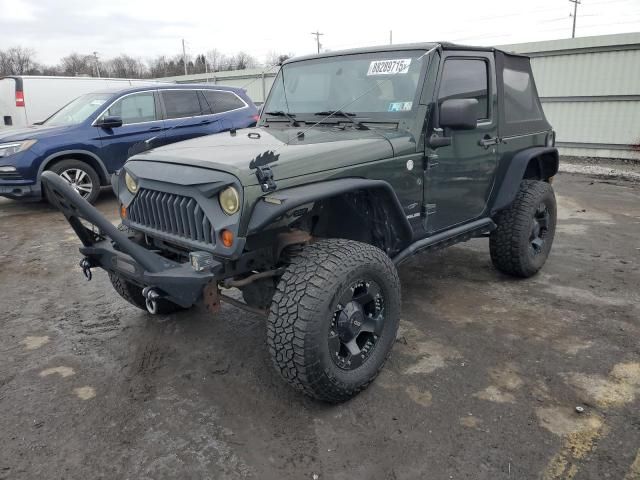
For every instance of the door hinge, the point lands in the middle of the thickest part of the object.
(430, 161)
(428, 209)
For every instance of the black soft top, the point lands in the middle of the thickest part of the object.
(401, 47)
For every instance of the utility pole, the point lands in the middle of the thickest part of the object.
(184, 57)
(390, 37)
(95, 55)
(317, 34)
(575, 15)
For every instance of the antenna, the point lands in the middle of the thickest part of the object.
(317, 34)
(575, 15)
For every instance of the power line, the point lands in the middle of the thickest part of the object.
(317, 34)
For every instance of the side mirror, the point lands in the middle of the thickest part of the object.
(112, 121)
(459, 114)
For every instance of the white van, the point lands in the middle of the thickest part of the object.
(25, 100)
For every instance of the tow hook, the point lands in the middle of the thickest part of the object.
(85, 265)
(151, 297)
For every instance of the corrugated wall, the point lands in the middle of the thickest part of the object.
(590, 91)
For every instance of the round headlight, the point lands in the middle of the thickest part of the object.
(132, 183)
(229, 200)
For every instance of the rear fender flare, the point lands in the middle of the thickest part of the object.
(548, 162)
(282, 201)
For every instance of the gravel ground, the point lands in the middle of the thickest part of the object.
(483, 382)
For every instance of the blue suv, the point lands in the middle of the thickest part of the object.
(91, 137)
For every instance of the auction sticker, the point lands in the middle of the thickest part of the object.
(389, 67)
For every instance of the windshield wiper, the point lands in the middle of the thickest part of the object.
(282, 113)
(340, 113)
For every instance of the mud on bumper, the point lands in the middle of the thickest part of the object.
(107, 247)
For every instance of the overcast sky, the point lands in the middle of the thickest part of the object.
(146, 28)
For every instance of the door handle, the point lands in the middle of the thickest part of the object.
(488, 140)
(154, 129)
(205, 122)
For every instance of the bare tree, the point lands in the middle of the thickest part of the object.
(275, 58)
(243, 60)
(77, 64)
(17, 61)
(216, 60)
(124, 66)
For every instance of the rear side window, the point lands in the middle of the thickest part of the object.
(219, 101)
(181, 103)
(466, 78)
(136, 108)
(520, 102)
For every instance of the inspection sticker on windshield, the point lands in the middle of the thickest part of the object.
(389, 67)
(400, 106)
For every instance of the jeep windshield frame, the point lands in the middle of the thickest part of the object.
(378, 87)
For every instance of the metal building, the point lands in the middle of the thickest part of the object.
(590, 90)
(256, 81)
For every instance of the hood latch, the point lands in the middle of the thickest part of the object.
(264, 174)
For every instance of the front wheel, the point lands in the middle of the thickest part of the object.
(522, 242)
(334, 318)
(81, 176)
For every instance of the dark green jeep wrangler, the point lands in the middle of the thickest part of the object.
(360, 159)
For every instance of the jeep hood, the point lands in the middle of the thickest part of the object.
(319, 149)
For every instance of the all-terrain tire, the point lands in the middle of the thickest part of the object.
(133, 294)
(302, 312)
(512, 245)
(92, 178)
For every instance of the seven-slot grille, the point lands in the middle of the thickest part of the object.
(173, 214)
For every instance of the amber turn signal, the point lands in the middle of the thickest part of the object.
(227, 238)
(123, 211)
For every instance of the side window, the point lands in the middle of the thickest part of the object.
(181, 103)
(466, 78)
(136, 108)
(520, 102)
(222, 101)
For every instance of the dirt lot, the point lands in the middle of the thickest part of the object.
(482, 383)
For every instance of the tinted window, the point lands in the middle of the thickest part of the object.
(181, 103)
(136, 108)
(520, 103)
(222, 101)
(466, 79)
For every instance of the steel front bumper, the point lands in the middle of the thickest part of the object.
(111, 249)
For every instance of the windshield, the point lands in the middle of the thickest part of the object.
(78, 110)
(381, 85)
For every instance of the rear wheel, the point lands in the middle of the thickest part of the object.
(522, 242)
(334, 318)
(81, 176)
(133, 294)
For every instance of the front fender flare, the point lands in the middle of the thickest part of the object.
(69, 153)
(515, 171)
(281, 201)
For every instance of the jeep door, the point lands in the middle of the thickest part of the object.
(140, 122)
(459, 177)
